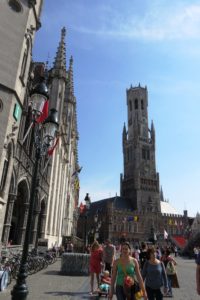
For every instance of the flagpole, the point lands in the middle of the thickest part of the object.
(46, 165)
(28, 130)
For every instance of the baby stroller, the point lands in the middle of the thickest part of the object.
(104, 286)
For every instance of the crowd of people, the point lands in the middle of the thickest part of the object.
(149, 270)
(146, 271)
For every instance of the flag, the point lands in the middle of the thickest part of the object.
(76, 184)
(77, 171)
(82, 207)
(165, 235)
(51, 150)
(45, 112)
(170, 222)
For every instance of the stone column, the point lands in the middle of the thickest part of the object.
(43, 223)
(8, 217)
(22, 230)
(34, 227)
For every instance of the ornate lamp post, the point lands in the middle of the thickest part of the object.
(87, 207)
(43, 139)
(97, 225)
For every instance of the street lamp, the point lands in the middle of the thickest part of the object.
(87, 207)
(97, 225)
(43, 139)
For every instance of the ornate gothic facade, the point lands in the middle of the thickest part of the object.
(57, 195)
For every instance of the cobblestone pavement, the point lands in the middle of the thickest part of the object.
(48, 284)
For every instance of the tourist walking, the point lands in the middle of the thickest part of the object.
(126, 267)
(196, 252)
(108, 255)
(143, 255)
(198, 274)
(154, 275)
(175, 251)
(96, 255)
(69, 247)
(170, 264)
(136, 253)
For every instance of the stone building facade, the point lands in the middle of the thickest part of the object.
(19, 20)
(64, 182)
(57, 194)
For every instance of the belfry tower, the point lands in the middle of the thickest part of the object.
(140, 181)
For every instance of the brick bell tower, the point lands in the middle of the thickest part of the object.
(140, 181)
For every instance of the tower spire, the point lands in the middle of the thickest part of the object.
(71, 77)
(152, 132)
(124, 133)
(60, 59)
(161, 195)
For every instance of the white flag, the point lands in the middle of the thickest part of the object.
(165, 235)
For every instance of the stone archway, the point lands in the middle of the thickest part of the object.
(19, 214)
(9, 210)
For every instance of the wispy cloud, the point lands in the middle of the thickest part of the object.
(158, 23)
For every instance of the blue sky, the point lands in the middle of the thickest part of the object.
(115, 44)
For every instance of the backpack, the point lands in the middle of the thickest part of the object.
(170, 268)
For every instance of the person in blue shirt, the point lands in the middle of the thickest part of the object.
(154, 275)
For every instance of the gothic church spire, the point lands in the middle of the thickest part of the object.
(60, 59)
(71, 80)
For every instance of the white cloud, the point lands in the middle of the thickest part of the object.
(158, 23)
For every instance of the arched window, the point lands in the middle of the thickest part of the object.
(25, 58)
(136, 103)
(5, 167)
(15, 5)
(142, 104)
(130, 105)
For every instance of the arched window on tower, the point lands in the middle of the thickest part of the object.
(130, 105)
(142, 104)
(136, 103)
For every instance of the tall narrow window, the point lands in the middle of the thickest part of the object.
(4, 174)
(148, 154)
(143, 154)
(142, 104)
(130, 105)
(24, 63)
(136, 103)
(5, 167)
(25, 59)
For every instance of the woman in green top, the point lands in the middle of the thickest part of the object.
(125, 265)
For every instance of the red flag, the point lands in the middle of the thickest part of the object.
(82, 208)
(44, 113)
(51, 150)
